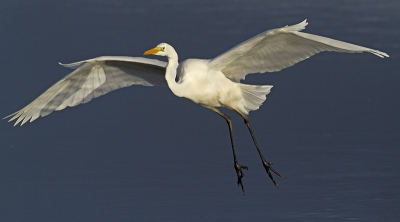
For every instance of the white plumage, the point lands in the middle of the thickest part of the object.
(90, 79)
(269, 51)
(210, 83)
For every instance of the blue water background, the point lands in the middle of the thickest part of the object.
(331, 124)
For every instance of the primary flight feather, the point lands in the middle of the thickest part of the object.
(210, 83)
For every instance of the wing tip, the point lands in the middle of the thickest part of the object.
(378, 53)
(74, 65)
(19, 117)
(297, 27)
(10, 116)
(7, 117)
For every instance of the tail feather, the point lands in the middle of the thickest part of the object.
(254, 96)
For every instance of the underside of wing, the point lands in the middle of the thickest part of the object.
(277, 49)
(91, 79)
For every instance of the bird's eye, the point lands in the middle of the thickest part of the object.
(163, 49)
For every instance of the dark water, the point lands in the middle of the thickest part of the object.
(331, 124)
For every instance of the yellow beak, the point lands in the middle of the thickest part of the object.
(152, 51)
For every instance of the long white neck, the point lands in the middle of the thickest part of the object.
(171, 72)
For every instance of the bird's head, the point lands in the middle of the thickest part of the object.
(160, 50)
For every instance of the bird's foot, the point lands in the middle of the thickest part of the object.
(240, 174)
(268, 168)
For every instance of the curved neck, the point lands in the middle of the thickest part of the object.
(171, 71)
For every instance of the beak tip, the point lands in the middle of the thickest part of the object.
(151, 51)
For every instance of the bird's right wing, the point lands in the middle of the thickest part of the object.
(277, 49)
(90, 79)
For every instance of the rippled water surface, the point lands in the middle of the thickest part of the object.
(331, 124)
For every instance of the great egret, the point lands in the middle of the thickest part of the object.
(211, 83)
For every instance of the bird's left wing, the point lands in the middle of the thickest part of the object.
(90, 79)
(277, 49)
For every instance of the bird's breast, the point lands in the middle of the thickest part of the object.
(205, 86)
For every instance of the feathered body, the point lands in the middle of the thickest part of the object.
(211, 88)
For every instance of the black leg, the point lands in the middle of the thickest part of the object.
(267, 165)
(237, 166)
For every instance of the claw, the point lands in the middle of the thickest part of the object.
(268, 168)
(240, 175)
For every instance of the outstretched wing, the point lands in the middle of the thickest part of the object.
(93, 78)
(277, 49)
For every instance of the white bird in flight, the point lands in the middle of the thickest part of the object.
(211, 83)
